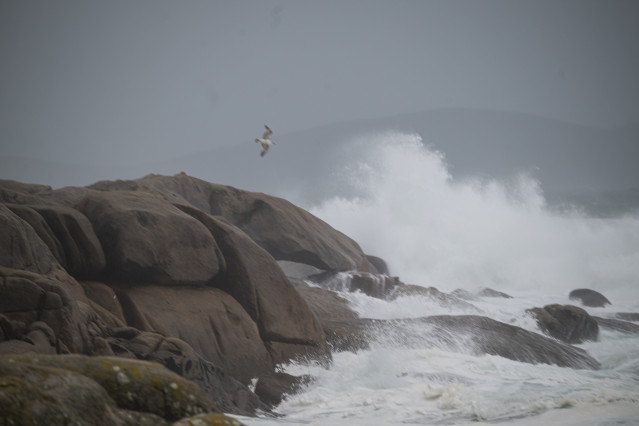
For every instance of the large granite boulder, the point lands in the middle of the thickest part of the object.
(590, 298)
(286, 231)
(256, 281)
(148, 240)
(567, 323)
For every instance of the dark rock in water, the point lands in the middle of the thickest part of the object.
(484, 292)
(325, 304)
(567, 323)
(95, 390)
(374, 285)
(335, 316)
(349, 334)
(379, 264)
(148, 240)
(589, 298)
(617, 325)
(463, 333)
(497, 338)
(442, 299)
(628, 316)
(273, 387)
(460, 293)
(489, 292)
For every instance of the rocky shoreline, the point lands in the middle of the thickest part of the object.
(154, 300)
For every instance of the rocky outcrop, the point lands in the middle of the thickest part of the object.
(21, 247)
(628, 316)
(286, 231)
(69, 236)
(211, 321)
(136, 269)
(590, 298)
(567, 323)
(385, 287)
(185, 273)
(617, 325)
(255, 280)
(147, 240)
(487, 336)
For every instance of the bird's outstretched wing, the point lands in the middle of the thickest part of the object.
(267, 133)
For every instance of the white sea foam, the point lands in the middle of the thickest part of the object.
(434, 230)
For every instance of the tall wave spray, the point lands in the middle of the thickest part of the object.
(434, 230)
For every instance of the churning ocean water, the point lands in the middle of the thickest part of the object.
(433, 230)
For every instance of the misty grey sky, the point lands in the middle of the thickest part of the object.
(125, 81)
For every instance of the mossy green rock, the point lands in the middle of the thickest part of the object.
(75, 389)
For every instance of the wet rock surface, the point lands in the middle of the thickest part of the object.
(567, 323)
(590, 298)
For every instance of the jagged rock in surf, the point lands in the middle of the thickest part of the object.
(379, 264)
(506, 340)
(590, 298)
(628, 316)
(617, 325)
(334, 315)
(385, 287)
(567, 323)
(444, 300)
(472, 334)
(489, 292)
(273, 387)
(484, 292)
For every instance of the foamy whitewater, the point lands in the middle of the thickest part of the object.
(434, 230)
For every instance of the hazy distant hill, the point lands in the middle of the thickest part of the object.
(566, 158)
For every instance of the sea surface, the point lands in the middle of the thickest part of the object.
(403, 204)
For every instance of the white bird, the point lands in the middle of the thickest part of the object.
(265, 140)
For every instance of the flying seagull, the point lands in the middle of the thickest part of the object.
(265, 140)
